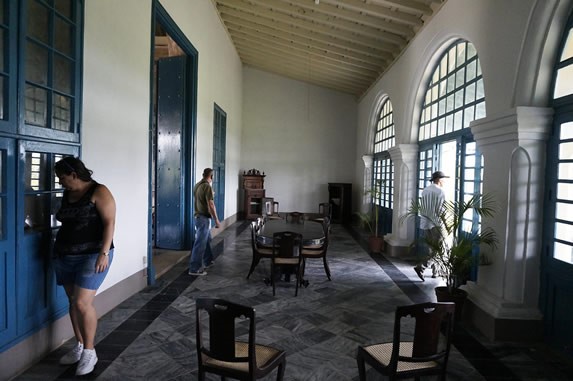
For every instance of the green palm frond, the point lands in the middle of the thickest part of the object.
(452, 249)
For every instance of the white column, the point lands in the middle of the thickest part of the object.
(513, 146)
(365, 199)
(405, 159)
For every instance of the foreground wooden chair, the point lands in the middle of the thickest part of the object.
(426, 354)
(225, 355)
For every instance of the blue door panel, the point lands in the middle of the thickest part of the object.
(8, 319)
(169, 177)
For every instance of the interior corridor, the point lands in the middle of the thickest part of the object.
(151, 336)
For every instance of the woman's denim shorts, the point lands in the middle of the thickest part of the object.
(79, 270)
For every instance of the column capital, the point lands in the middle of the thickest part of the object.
(405, 153)
(368, 160)
(517, 124)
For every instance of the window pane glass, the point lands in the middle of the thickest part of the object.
(63, 37)
(37, 209)
(568, 48)
(64, 7)
(38, 21)
(563, 252)
(36, 64)
(565, 171)
(62, 111)
(565, 192)
(563, 232)
(3, 90)
(62, 74)
(37, 172)
(35, 103)
(2, 52)
(566, 151)
(2, 11)
(55, 206)
(480, 110)
(563, 211)
(564, 82)
(566, 131)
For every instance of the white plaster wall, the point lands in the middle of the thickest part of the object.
(302, 136)
(115, 120)
(219, 81)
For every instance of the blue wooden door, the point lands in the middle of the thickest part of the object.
(171, 120)
(219, 154)
(7, 242)
(39, 299)
(557, 257)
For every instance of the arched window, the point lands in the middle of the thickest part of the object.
(454, 97)
(557, 258)
(383, 168)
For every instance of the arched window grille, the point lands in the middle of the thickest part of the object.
(383, 167)
(454, 97)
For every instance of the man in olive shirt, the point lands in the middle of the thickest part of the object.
(204, 211)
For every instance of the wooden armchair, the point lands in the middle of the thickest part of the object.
(223, 354)
(426, 353)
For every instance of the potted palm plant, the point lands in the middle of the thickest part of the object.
(452, 248)
(370, 220)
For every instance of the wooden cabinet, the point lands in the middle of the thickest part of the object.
(340, 199)
(253, 193)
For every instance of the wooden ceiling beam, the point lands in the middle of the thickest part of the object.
(309, 39)
(330, 51)
(244, 45)
(349, 15)
(319, 23)
(407, 5)
(377, 10)
(309, 69)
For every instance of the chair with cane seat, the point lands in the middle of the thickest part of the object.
(318, 251)
(258, 251)
(426, 350)
(287, 247)
(222, 353)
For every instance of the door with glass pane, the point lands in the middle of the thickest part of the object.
(7, 242)
(38, 298)
(557, 258)
(219, 154)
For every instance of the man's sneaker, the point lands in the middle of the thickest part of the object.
(87, 362)
(197, 273)
(73, 356)
(209, 264)
(420, 273)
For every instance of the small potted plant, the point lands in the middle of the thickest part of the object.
(370, 220)
(452, 250)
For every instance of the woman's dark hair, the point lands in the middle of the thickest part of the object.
(72, 164)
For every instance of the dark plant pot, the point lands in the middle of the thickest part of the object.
(376, 244)
(457, 296)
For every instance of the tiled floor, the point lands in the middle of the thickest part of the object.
(151, 336)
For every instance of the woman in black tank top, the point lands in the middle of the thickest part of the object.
(83, 253)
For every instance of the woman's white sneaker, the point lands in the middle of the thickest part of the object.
(73, 356)
(87, 362)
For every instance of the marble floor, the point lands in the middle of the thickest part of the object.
(151, 336)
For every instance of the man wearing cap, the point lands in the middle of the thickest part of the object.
(434, 190)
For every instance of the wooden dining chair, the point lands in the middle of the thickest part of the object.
(287, 247)
(295, 217)
(223, 354)
(259, 252)
(425, 352)
(318, 251)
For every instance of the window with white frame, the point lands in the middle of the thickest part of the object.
(383, 168)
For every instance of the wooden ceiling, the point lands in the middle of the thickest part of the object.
(345, 45)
